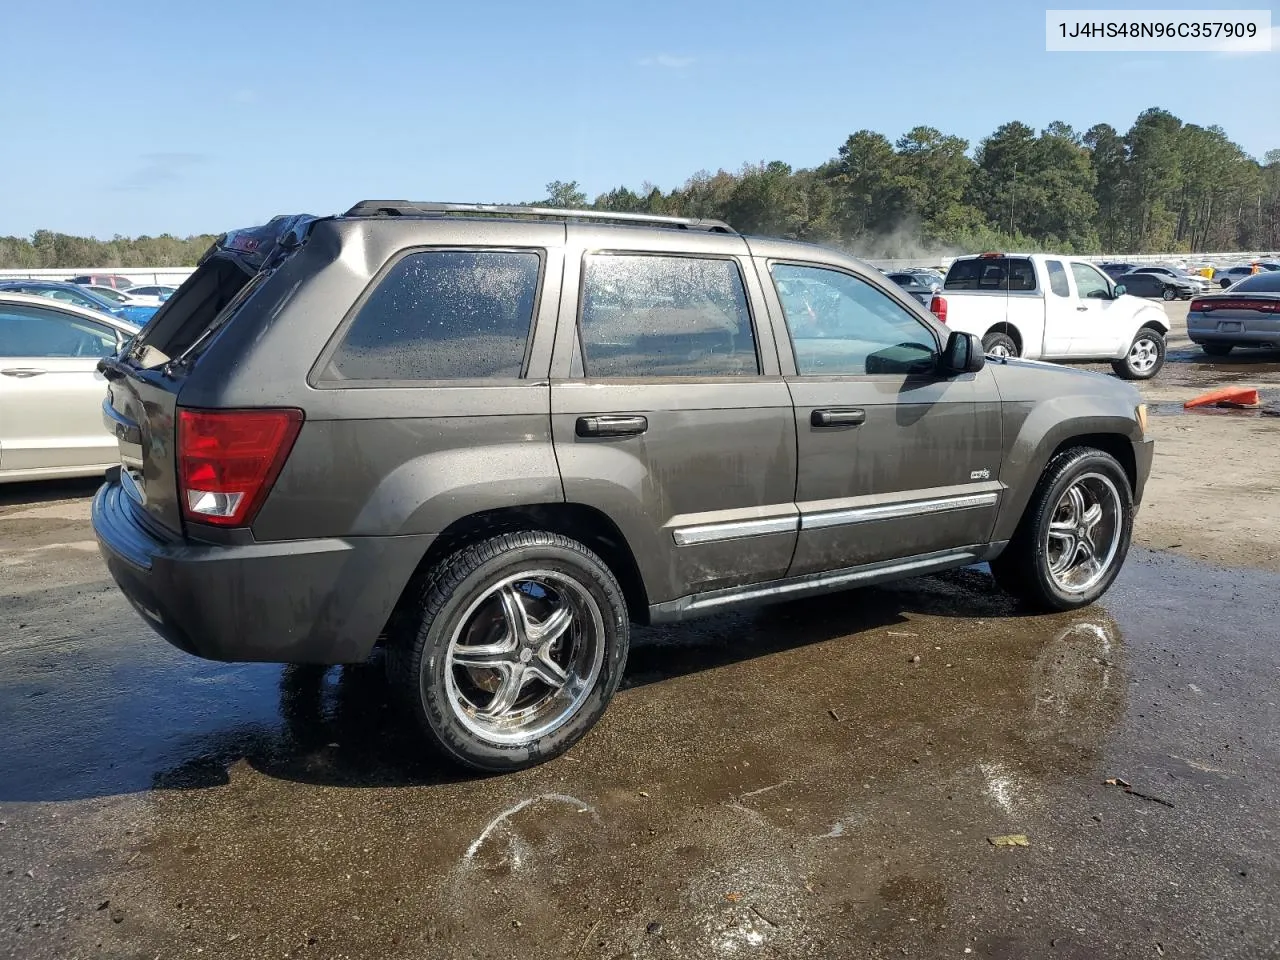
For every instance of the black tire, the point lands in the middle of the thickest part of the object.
(1217, 349)
(1169, 294)
(1138, 363)
(1023, 568)
(994, 341)
(460, 590)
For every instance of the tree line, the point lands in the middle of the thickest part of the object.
(1161, 186)
(46, 249)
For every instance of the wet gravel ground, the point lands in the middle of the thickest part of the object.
(787, 783)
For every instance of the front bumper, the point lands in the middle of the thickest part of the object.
(301, 601)
(1143, 453)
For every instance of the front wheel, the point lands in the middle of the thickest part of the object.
(512, 650)
(996, 344)
(1169, 294)
(1074, 536)
(1145, 356)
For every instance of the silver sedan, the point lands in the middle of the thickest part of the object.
(1247, 314)
(50, 390)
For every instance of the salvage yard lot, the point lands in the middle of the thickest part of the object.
(786, 783)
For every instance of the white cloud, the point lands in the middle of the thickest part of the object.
(156, 169)
(668, 61)
(1226, 48)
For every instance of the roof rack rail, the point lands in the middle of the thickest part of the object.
(407, 208)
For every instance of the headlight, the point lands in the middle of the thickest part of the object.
(1140, 412)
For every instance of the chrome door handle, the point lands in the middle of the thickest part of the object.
(22, 372)
(611, 426)
(837, 417)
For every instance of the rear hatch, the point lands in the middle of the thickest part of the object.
(145, 379)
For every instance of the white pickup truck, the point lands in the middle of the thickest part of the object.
(1046, 307)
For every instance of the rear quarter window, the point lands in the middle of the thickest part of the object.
(1015, 274)
(443, 315)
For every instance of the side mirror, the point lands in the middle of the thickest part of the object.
(963, 354)
(1119, 290)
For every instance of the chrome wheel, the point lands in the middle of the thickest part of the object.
(1144, 355)
(1084, 533)
(524, 657)
(999, 350)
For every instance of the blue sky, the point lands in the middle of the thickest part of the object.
(145, 117)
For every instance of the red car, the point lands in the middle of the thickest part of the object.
(103, 280)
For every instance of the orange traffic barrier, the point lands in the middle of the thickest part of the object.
(1236, 396)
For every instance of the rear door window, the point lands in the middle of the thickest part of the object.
(665, 316)
(443, 315)
(1015, 274)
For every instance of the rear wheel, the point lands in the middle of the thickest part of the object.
(1074, 536)
(997, 344)
(1217, 349)
(512, 650)
(1145, 356)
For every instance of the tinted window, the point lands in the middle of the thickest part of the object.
(991, 273)
(32, 332)
(1259, 283)
(444, 315)
(1139, 284)
(1090, 284)
(841, 325)
(649, 316)
(1058, 278)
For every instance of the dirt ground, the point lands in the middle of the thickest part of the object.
(1213, 493)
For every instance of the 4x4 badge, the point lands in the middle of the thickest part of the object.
(983, 474)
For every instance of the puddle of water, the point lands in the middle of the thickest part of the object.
(1269, 407)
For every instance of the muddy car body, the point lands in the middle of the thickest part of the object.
(492, 438)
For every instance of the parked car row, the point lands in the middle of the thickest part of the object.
(83, 296)
(1157, 281)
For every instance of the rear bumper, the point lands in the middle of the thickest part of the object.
(300, 601)
(1240, 338)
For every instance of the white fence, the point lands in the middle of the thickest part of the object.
(140, 276)
(1187, 259)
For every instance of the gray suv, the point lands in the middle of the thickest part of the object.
(491, 438)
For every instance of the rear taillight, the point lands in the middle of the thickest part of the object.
(938, 307)
(228, 460)
(1262, 306)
